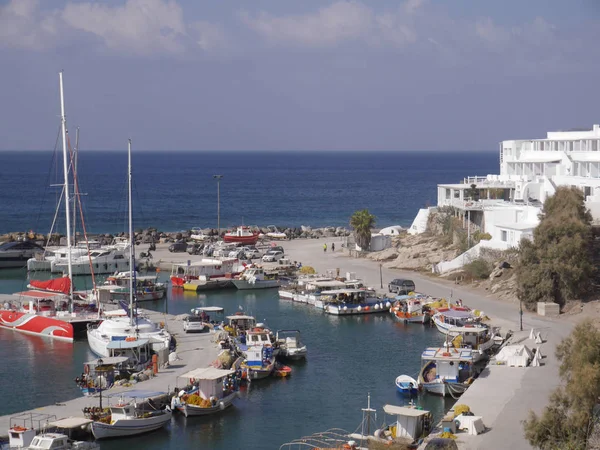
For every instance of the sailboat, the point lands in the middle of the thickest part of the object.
(38, 315)
(115, 336)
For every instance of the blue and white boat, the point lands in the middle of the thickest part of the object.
(346, 302)
(407, 385)
(446, 371)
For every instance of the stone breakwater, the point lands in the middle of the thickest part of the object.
(149, 235)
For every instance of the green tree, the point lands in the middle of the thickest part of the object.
(567, 422)
(557, 265)
(362, 222)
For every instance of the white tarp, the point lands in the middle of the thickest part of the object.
(471, 424)
(515, 355)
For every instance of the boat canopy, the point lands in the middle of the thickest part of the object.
(207, 373)
(124, 344)
(62, 285)
(240, 317)
(209, 309)
(327, 283)
(476, 329)
(457, 314)
(403, 411)
(70, 423)
(137, 393)
(443, 353)
(108, 361)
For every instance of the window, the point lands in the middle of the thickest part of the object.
(447, 194)
(504, 236)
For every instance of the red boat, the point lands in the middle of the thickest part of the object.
(242, 235)
(29, 323)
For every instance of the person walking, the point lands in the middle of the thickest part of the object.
(324, 248)
(333, 246)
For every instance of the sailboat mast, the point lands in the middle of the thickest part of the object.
(131, 238)
(75, 194)
(66, 175)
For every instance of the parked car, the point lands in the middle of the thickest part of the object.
(401, 286)
(272, 256)
(178, 247)
(194, 323)
(251, 253)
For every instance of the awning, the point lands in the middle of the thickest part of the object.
(403, 411)
(115, 345)
(137, 393)
(207, 373)
(70, 422)
(457, 314)
(209, 309)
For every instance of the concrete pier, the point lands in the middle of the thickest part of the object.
(194, 350)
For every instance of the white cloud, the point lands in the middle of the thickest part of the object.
(142, 27)
(22, 26)
(139, 26)
(338, 22)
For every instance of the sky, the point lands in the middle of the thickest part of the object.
(280, 75)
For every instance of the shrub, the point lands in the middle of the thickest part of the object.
(478, 269)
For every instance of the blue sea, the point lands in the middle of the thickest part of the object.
(349, 357)
(176, 190)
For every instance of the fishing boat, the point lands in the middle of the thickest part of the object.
(255, 278)
(448, 320)
(147, 286)
(446, 371)
(407, 385)
(23, 433)
(410, 309)
(346, 302)
(290, 346)
(242, 235)
(127, 419)
(239, 322)
(107, 336)
(259, 362)
(210, 391)
(479, 339)
(274, 233)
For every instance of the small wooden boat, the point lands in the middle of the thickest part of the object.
(407, 385)
(282, 371)
(409, 309)
(446, 371)
(212, 390)
(126, 420)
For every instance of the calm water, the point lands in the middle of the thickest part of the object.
(175, 190)
(348, 357)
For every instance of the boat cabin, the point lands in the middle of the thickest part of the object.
(137, 351)
(456, 317)
(470, 337)
(411, 423)
(348, 296)
(447, 363)
(258, 336)
(241, 322)
(211, 381)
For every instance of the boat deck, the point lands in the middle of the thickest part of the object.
(193, 350)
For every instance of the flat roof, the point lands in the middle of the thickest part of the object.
(127, 344)
(109, 360)
(403, 411)
(209, 308)
(517, 226)
(207, 373)
(70, 422)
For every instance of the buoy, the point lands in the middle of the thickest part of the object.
(359, 308)
(345, 308)
(376, 306)
(388, 304)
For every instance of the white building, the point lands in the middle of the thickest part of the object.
(507, 205)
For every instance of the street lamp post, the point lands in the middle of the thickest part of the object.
(218, 178)
(521, 313)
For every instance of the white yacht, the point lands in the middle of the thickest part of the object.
(132, 327)
(108, 259)
(46, 261)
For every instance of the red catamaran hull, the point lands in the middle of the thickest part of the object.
(37, 325)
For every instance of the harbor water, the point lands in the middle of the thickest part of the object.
(349, 358)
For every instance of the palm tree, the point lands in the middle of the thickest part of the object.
(362, 221)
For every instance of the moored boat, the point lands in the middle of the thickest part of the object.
(346, 302)
(259, 362)
(407, 385)
(410, 309)
(255, 278)
(207, 268)
(211, 390)
(282, 371)
(290, 346)
(447, 320)
(127, 420)
(446, 371)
